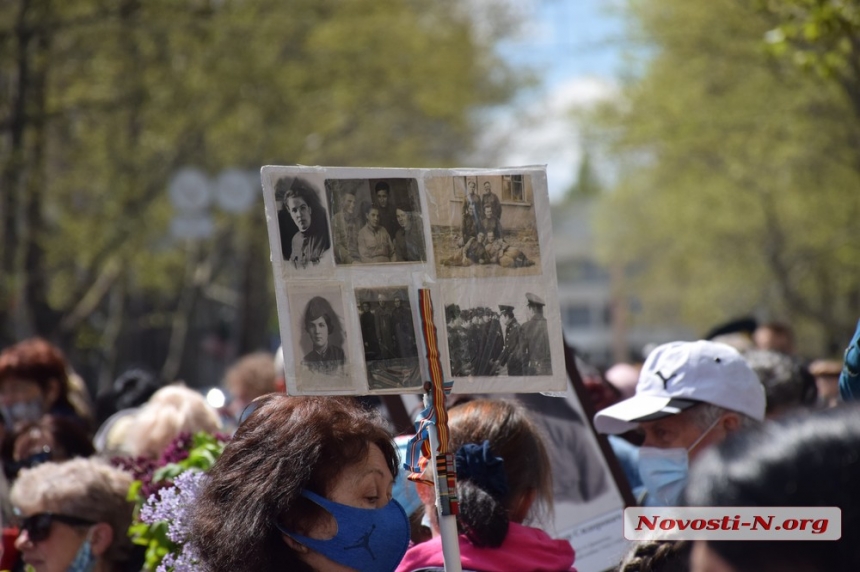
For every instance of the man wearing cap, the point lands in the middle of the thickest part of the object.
(690, 396)
(512, 355)
(536, 338)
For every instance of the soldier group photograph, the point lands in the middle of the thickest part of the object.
(388, 337)
(485, 342)
(488, 228)
(376, 221)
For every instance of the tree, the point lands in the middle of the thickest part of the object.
(738, 187)
(821, 35)
(107, 100)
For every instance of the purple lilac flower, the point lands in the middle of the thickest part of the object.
(171, 505)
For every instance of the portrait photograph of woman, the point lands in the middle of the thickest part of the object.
(302, 222)
(319, 339)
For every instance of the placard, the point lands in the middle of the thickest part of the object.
(351, 247)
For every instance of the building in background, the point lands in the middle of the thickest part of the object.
(601, 325)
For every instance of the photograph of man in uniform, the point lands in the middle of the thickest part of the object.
(535, 337)
(388, 335)
(512, 356)
(302, 222)
(374, 242)
(345, 226)
(471, 216)
(409, 238)
(387, 212)
(491, 199)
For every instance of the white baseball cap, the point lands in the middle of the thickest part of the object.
(677, 376)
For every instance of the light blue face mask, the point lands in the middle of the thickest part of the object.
(23, 411)
(85, 560)
(664, 471)
(370, 540)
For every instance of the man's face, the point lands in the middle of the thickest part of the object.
(373, 219)
(381, 301)
(365, 307)
(349, 204)
(397, 302)
(301, 213)
(382, 197)
(504, 319)
(401, 218)
(488, 211)
(491, 236)
(487, 187)
(481, 237)
(679, 431)
(472, 187)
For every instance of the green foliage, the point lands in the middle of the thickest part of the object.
(118, 96)
(738, 186)
(204, 450)
(821, 35)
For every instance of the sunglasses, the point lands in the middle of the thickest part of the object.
(38, 526)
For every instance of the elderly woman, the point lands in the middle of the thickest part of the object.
(171, 410)
(74, 516)
(34, 380)
(503, 481)
(306, 224)
(304, 485)
(322, 326)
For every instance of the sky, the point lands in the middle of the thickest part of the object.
(575, 47)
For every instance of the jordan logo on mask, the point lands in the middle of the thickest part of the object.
(356, 543)
(363, 542)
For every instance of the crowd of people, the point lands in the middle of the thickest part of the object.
(316, 483)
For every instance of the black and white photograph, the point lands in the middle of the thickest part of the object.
(484, 226)
(319, 339)
(376, 221)
(302, 222)
(499, 335)
(389, 338)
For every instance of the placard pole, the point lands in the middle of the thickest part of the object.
(442, 460)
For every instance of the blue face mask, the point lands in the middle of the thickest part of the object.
(664, 471)
(85, 560)
(370, 540)
(23, 411)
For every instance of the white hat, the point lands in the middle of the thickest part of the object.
(679, 375)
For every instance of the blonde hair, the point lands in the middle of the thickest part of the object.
(171, 410)
(86, 488)
(252, 376)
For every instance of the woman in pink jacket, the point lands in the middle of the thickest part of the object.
(503, 481)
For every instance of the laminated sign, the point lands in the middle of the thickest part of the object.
(351, 247)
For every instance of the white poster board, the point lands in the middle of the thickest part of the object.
(351, 247)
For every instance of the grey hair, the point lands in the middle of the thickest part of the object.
(706, 414)
(86, 488)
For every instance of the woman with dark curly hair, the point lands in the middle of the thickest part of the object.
(304, 485)
(306, 223)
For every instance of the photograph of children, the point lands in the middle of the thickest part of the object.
(504, 335)
(484, 226)
(302, 222)
(376, 221)
(319, 339)
(389, 338)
